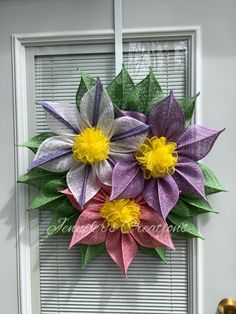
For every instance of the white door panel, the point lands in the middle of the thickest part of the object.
(217, 22)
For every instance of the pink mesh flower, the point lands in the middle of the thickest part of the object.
(122, 224)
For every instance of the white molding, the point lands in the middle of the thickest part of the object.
(19, 44)
(198, 250)
(21, 165)
(158, 32)
(196, 288)
(198, 69)
(55, 38)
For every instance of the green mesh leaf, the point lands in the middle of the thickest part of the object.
(61, 223)
(39, 178)
(182, 227)
(198, 205)
(187, 105)
(34, 143)
(122, 91)
(190, 207)
(66, 207)
(61, 204)
(51, 201)
(212, 185)
(182, 209)
(89, 252)
(159, 252)
(149, 93)
(49, 184)
(86, 82)
(45, 198)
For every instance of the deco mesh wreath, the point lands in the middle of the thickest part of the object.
(120, 168)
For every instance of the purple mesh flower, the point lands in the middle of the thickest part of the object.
(88, 143)
(165, 165)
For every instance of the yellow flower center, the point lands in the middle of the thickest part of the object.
(121, 214)
(91, 146)
(157, 157)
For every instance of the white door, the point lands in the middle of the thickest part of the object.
(199, 39)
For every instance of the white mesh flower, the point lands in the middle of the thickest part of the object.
(88, 143)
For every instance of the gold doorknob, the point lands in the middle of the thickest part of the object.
(227, 306)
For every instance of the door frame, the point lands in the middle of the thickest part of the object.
(20, 42)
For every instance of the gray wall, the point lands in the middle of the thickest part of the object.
(217, 19)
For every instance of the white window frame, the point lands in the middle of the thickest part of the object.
(20, 42)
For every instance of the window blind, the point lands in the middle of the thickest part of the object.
(167, 60)
(152, 286)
